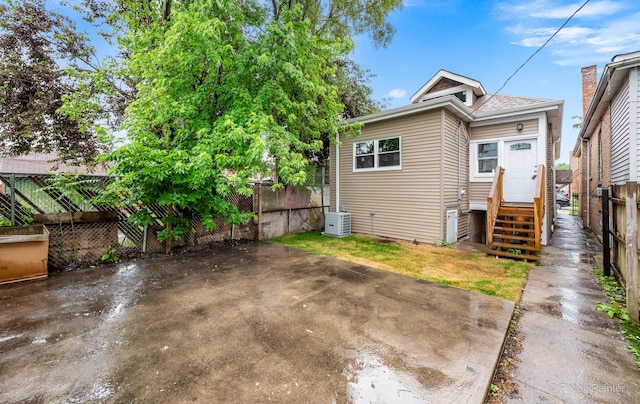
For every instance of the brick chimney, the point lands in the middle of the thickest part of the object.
(589, 84)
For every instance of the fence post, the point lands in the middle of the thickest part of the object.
(260, 211)
(144, 239)
(606, 245)
(631, 239)
(167, 243)
(13, 200)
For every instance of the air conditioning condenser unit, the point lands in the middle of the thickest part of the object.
(337, 224)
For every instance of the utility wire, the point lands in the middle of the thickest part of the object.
(534, 53)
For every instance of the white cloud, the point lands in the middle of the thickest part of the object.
(553, 9)
(397, 93)
(588, 39)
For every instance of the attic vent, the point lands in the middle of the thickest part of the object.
(461, 95)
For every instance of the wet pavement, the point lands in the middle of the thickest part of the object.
(571, 352)
(247, 323)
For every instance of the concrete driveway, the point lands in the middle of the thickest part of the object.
(249, 323)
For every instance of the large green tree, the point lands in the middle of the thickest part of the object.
(216, 106)
(113, 86)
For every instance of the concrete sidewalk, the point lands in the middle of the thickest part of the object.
(571, 352)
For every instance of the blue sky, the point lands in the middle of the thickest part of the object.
(489, 40)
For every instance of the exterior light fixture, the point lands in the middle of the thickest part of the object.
(519, 126)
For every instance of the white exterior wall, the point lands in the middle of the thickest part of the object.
(634, 78)
(620, 161)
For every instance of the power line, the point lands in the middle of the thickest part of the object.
(534, 53)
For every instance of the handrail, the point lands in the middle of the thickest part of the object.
(538, 204)
(493, 203)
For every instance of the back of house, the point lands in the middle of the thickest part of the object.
(424, 171)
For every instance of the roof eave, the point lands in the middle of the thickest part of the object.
(526, 109)
(609, 83)
(451, 103)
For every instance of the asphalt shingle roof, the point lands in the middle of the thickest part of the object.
(498, 102)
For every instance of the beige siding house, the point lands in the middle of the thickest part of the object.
(424, 171)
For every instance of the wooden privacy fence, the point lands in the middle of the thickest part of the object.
(81, 231)
(620, 239)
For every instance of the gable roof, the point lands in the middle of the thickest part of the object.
(486, 107)
(442, 74)
(489, 106)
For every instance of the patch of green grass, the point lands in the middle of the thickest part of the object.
(447, 266)
(617, 309)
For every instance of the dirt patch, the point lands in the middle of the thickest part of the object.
(503, 386)
(385, 241)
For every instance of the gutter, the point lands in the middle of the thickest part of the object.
(542, 107)
(451, 102)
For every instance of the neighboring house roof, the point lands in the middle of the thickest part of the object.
(41, 163)
(613, 77)
(564, 177)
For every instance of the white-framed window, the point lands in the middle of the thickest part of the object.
(380, 154)
(487, 155)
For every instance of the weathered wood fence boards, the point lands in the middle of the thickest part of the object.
(623, 222)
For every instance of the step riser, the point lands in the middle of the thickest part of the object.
(517, 246)
(505, 254)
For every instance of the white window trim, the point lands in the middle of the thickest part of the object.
(375, 155)
(474, 175)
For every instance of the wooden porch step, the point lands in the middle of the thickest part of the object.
(515, 212)
(513, 237)
(520, 222)
(506, 254)
(514, 229)
(516, 246)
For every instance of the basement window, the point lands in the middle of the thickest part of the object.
(382, 154)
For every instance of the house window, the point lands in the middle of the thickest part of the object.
(377, 154)
(487, 157)
(365, 158)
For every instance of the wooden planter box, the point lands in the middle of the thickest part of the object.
(23, 253)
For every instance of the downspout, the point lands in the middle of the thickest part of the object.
(588, 178)
(338, 172)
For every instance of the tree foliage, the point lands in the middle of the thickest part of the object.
(216, 107)
(343, 18)
(35, 44)
(212, 93)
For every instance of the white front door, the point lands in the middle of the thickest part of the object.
(521, 163)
